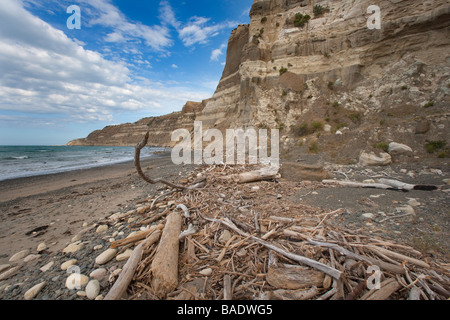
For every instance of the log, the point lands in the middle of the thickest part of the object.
(227, 288)
(265, 173)
(294, 277)
(129, 269)
(139, 236)
(399, 256)
(164, 268)
(388, 287)
(291, 295)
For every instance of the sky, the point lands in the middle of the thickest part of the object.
(126, 60)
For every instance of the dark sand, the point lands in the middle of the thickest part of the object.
(61, 203)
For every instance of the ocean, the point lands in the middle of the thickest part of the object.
(26, 161)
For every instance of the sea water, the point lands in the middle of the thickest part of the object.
(25, 161)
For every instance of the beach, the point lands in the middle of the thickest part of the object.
(65, 201)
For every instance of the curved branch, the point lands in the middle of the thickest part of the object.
(137, 164)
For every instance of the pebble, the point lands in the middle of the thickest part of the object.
(98, 274)
(101, 228)
(47, 266)
(226, 235)
(92, 289)
(206, 272)
(106, 256)
(124, 256)
(68, 264)
(81, 293)
(98, 247)
(76, 281)
(34, 291)
(73, 247)
(31, 257)
(3, 267)
(368, 215)
(413, 202)
(19, 255)
(41, 247)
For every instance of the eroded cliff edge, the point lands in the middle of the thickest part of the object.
(331, 82)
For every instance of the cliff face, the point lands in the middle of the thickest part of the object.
(331, 70)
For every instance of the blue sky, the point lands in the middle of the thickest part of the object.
(131, 59)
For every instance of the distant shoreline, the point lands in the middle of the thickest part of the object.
(14, 188)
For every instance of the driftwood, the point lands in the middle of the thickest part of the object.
(137, 164)
(164, 267)
(137, 237)
(294, 277)
(386, 184)
(309, 262)
(388, 287)
(265, 173)
(128, 270)
(227, 288)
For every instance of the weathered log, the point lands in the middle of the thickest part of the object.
(399, 256)
(138, 236)
(227, 288)
(388, 287)
(129, 269)
(291, 295)
(293, 277)
(265, 173)
(164, 267)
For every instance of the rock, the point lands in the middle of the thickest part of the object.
(76, 281)
(66, 265)
(406, 209)
(327, 128)
(101, 228)
(226, 235)
(73, 247)
(106, 256)
(77, 237)
(4, 267)
(19, 255)
(98, 274)
(81, 293)
(98, 247)
(422, 127)
(413, 202)
(368, 215)
(47, 266)
(31, 257)
(370, 159)
(398, 148)
(41, 247)
(92, 289)
(34, 291)
(124, 256)
(99, 297)
(206, 272)
(339, 133)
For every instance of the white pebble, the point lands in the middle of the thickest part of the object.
(33, 292)
(93, 289)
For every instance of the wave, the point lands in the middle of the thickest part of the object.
(18, 158)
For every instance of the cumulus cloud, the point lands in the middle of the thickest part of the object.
(45, 72)
(215, 54)
(198, 30)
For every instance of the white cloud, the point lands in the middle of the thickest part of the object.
(198, 31)
(45, 72)
(174, 66)
(215, 54)
(107, 15)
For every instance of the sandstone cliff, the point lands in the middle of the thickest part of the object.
(329, 84)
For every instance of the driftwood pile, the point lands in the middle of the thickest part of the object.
(231, 232)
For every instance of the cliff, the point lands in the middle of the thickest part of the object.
(328, 83)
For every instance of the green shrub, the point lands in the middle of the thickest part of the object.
(314, 147)
(355, 117)
(264, 20)
(301, 19)
(301, 130)
(317, 125)
(336, 104)
(442, 154)
(432, 146)
(283, 70)
(319, 10)
(331, 85)
(383, 146)
(429, 104)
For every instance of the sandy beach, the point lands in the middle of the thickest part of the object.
(58, 205)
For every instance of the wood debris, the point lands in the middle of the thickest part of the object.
(244, 242)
